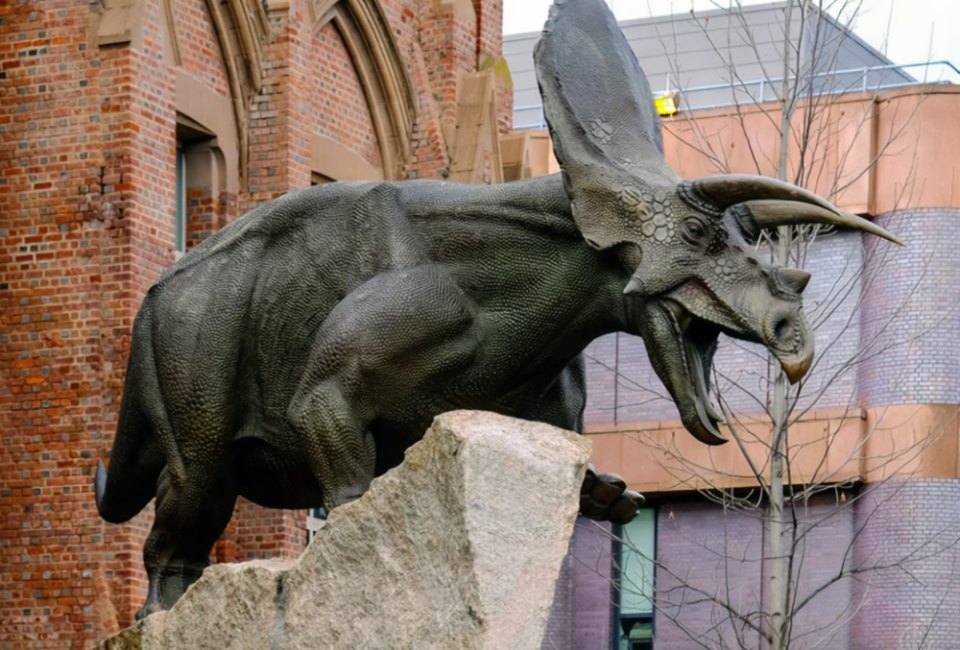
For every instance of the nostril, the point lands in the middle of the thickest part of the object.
(783, 329)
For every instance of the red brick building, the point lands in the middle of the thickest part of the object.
(131, 129)
(873, 462)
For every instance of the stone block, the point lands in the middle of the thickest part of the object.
(458, 547)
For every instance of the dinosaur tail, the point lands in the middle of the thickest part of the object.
(107, 508)
(137, 458)
(116, 506)
(127, 486)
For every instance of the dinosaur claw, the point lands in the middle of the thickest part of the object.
(605, 497)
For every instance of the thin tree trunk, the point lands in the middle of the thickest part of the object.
(778, 592)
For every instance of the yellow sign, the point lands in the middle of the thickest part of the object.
(667, 104)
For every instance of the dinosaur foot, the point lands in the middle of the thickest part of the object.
(147, 609)
(168, 584)
(605, 497)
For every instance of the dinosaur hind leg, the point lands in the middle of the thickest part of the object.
(190, 516)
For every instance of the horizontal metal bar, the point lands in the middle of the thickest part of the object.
(762, 83)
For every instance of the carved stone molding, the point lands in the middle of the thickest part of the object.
(366, 34)
(333, 160)
(115, 22)
(242, 30)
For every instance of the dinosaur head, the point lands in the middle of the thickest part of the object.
(690, 271)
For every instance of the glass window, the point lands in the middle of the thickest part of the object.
(197, 171)
(635, 558)
(316, 518)
(180, 225)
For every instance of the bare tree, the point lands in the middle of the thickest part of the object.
(781, 475)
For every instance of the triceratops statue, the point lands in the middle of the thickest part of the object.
(295, 355)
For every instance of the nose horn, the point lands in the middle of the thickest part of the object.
(793, 279)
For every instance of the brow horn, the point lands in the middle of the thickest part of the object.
(770, 203)
(770, 213)
(721, 192)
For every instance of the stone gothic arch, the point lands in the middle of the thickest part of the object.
(383, 76)
(243, 32)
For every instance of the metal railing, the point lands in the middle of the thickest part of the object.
(759, 91)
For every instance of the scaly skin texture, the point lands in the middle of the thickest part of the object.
(295, 355)
(323, 333)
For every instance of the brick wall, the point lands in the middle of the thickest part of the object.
(490, 51)
(431, 155)
(199, 49)
(144, 211)
(87, 196)
(83, 220)
(270, 132)
(337, 107)
(448, 34)
(207, 212)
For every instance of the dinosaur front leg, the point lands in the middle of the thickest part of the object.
(338, 448)
(400, 332)
(605, 497)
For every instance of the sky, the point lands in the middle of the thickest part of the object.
(907, 31)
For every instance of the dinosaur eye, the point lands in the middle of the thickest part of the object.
(693, 231)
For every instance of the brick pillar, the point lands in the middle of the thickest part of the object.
(85, 230)
(489, 27)
(448, 35)
(490, 55)
(278, 164)
(267, 175)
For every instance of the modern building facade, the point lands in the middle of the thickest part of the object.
(874, 436)
(873, 459)
(719, 57)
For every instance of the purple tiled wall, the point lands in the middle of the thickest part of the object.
(908, 552)
(887, 323)
(582, 615)
(911, 311)
(708, 557)
(712, 571)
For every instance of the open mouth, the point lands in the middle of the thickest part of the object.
(680, 346)
(680, 330)
(697, 343)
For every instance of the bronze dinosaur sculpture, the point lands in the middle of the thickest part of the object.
(295, 355)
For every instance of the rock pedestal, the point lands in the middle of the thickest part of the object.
(458, 547)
